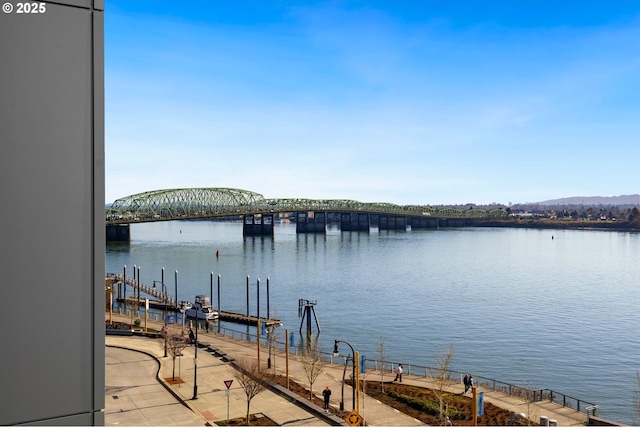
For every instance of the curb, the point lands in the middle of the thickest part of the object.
(275, 388)
(306, 405)
(164, 384)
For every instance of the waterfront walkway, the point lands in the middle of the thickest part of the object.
(135, 397)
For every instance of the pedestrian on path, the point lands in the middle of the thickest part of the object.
(192, 337)
(327, 394)
(465, 381)
(399, 373)
(206, 326)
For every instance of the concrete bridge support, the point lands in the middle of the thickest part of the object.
(391, 222)
(311, 222)
(454, 222)
(355, 221)
(426, 222)
(118, 233)
(257, 225)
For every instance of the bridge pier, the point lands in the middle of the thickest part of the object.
(392, 222)
(425, 222)
(257, 225)
(355, 221)
(311, 222)
(118, 233)
(454, 222)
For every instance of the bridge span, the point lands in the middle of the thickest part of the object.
(259, 214)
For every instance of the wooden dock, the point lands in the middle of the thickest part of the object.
(225, 316)
(166, 302)
(152, 303)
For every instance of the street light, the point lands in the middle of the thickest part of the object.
(184, 306)
(353, 359)
(164, 293)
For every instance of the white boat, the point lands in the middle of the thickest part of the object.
(202, 309)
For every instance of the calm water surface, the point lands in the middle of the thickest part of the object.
(546, 308)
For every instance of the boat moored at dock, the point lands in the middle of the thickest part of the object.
(202, 309)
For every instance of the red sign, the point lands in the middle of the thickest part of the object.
(228, 383)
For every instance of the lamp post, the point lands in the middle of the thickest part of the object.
(353, 359)
(164, 311)
(184, 306)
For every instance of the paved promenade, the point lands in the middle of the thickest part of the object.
(138, 394)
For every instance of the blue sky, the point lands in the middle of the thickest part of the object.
(408, 102)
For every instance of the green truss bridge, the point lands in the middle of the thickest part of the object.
(259, 213)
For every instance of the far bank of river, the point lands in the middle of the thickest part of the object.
(561, 224)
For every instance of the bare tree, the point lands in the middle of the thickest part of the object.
(530, 413)
(383, 362)
(175, 342)
(252, 378)
(272, 342)
(442, 380)
(312, 363)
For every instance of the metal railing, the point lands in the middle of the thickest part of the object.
(527, 394)
(163, 297)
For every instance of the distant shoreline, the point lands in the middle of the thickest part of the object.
(560, 224)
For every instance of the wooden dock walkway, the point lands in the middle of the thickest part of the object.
(165, 301)
(225, 316)
(228, 316)
(164, 297)
(131, 301)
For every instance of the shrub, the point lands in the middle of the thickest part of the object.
(428, 406)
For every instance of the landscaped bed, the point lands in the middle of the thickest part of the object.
(417, 402)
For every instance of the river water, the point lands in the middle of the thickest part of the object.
(553, 309)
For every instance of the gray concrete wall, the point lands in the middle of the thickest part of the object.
(52, 213)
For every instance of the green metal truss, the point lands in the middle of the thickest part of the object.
(192, 203)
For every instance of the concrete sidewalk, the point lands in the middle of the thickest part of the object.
(134, 396)
(135, 362)
(213, 370)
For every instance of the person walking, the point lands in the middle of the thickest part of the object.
(399, 373)
(206, 325)
(465, 381)
(326, 393)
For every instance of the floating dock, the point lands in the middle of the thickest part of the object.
(225, 316)
(130, 301)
